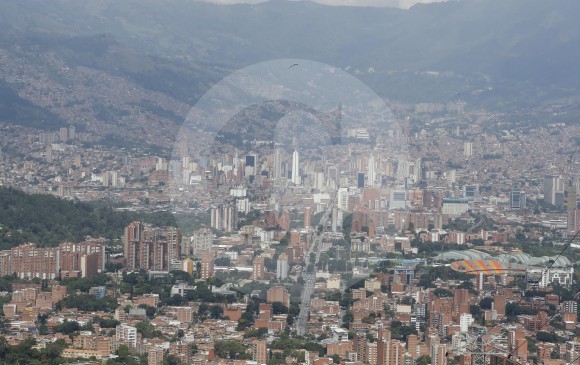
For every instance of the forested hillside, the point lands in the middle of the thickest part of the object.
(48, 220)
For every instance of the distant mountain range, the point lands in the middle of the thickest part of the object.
(500, 54)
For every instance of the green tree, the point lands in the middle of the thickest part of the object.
(423, 360)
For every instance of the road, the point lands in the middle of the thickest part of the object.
(310, 277)
(482, 218)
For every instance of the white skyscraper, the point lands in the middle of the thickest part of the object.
(371, 175)
(277, 165)
(282, 267)
(342, 199)
(465, 320)
(296, 168)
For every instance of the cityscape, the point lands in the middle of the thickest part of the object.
(289, 215)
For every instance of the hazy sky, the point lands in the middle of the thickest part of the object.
(390, 3)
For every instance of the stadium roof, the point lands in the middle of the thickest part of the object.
(487, 267)
(513, 258)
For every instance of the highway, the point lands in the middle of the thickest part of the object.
(310, 277)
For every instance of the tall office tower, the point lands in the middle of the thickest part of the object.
(307, 217)
(360, 180)
(419, 169)
(258, 266)
(571, 207)
(260, 352)
(282, 267)
(471, 192)
(334, 219)
(551, 187)
(278, 165)
(517, 200)
(467, 149)
(206, 266)
(371, 171)
(296, 180)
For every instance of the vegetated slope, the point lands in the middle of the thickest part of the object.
(48, 220)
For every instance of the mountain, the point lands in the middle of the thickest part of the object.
(500, 54)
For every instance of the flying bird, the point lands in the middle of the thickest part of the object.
(293, 65)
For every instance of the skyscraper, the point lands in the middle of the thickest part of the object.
(371, 174)
(517, 200)
(571, 207)
(277, 165)
(296, 180)
(551, 187)
(360, 180)
(282, 267)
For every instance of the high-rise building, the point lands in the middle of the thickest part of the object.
(371, 171)
(360, 180)
(206, 266)
(260, 352)
(342, 199)
(571, 201)
(307, 217)
(49, 153)
(29, 261)
(202, 241)
(438, 354)
(258, 266)
(155, 355)
(398, 199)
(552, 185)
(517, 200)
(151, 248)
(296, 179)
(278, 294)
(282, 267)
(412, 341)
(224, 217)
(85, 258)
(126, 334)
(64, 134)
(471, 192)
(278, 165)
(390, 352)
(465, 320)
(467, 149)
